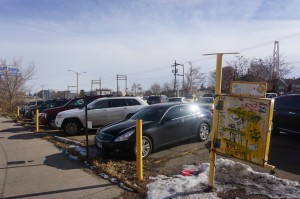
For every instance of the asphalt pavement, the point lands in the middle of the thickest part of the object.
(31, 167)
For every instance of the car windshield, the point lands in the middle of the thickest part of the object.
(150, 113)
(206, 100)
(189, 97)
(153, 98)
(175, 100)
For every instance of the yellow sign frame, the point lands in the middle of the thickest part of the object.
(248, 89)
(244, 128)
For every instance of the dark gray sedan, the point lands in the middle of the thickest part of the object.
(163, 124)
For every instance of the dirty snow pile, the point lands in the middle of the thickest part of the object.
(229, 175)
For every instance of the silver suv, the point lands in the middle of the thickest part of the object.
(99, 112)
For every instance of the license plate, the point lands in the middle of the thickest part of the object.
(99, 144)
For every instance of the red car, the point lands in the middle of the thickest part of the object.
(47, 117)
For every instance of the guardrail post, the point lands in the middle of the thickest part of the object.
(139, 147)
(18, 111)
(37, 120)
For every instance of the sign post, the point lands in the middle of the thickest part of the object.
(211, 177)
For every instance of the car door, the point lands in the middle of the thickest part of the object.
(294, 114)
(98, 112)
(169, 131)
(190, 121)
(118, 110)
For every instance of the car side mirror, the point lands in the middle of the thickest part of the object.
(166, 119)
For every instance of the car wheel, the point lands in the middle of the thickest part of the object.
(72, 127)
(203, 131)
(52, 123)
(146, 147)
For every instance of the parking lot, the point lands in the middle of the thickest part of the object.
(284, 150)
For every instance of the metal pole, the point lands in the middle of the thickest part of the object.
(86, 128)
(77, 82)
(215, 122)
(139, 148)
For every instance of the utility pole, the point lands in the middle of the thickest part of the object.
(121, 77)
(77, 74)
(275, 68)
(175, 74)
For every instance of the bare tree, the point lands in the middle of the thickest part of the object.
(155, 88)
(194, 78)
(136, 88)
(13, 83)
(167, 89)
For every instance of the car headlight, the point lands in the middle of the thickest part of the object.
(43, 115)
(59, 116)
(124, 136)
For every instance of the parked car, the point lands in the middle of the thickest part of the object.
(154, 99)
(271, 95)
(191, 98)
(100, 112)
(206, 102)
(177, 99)
(286, 115)
(35, 103)
(30, 113)
(163, 124)
(208, 95)
(47, 117)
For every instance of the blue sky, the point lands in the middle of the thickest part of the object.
(140, 38)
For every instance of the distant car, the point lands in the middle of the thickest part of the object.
(208, 95)
(145, 98)
(47, 117)
(100, 112)
(163, 124)
(286, 115)
(30, 113)
(271, 95)
(177, 99)
(154, 99)
(206, 102)
(191, 98)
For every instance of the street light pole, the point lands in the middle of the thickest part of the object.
(77, 74)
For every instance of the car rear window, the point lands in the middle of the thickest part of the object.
(118, 102)
(132, 102)
(154, 98)
(284, 102)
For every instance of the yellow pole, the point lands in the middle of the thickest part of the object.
(37, 121)
(211, 178)
(18, 111)
(139, 147)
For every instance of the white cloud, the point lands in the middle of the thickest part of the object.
(135, 37)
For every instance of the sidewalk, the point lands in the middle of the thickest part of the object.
(31, 167)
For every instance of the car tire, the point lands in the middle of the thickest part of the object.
(52, 123)
(203, 131)
(72, 127)
(146, 147)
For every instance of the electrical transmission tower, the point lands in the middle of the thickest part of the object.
(96, 82)
(121, 77)
(275, 68)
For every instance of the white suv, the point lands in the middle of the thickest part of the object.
(100, 112)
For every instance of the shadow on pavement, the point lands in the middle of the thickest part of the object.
(14, 130)
(60, 161)
(23, 136)
(43, 194)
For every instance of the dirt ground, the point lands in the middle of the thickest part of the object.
(123, 169)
